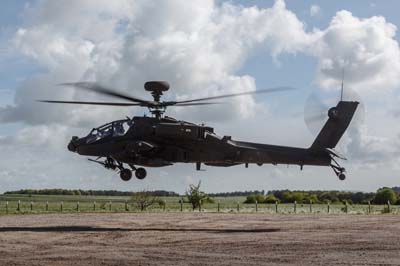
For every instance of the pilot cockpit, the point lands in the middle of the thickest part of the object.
(114, 129)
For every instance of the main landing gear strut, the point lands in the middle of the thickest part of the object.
(124, 173)
(339, 171)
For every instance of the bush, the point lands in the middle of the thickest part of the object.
(270, 199)
(384, 195)
(251, 199)
(195, 196)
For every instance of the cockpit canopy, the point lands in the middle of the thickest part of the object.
(115, 129)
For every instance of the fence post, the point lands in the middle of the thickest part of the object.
(295, 207)
(165, 205)
(31, 206)
(94, 206)
(61, 206)
(369, 207)
(126, 206)
(238, 207)
(110, 205)
(311, 203)
(256, 206)
(200, 205)
(7, 207)
(328, 207)
(77, 206)
(388, 204)
(218, 205)
(19, 206)
(47, 206)
(345, 206)
(276, 206)
(181, 202)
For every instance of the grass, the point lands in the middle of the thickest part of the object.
(73, 204)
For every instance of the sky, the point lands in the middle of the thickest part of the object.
(202, 48)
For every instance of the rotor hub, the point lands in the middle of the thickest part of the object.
(156, 88)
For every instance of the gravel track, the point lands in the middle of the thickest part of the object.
(199, 239)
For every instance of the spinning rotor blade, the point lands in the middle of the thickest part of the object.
(270, 90)
(194, 104)
(91, 86)
(92, 103)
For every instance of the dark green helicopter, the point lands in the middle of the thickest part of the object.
(160, 140)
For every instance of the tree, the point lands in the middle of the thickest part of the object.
(384, 195)
(195, 196)
(270, 199)
(254, 198)
(144, 199)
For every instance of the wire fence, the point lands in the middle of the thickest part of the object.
(119, 206)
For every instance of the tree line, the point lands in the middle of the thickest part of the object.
(80, 192)
(237, 193)
(381, 196)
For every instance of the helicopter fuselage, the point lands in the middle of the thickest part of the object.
(153, 142)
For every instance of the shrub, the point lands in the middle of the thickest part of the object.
(250, 199)
(270, 199)
(195, 196)
(384, 195)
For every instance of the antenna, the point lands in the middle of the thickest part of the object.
(341, 92)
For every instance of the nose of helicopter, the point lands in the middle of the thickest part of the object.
(73, 144)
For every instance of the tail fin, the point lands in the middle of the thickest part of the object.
(339, 119)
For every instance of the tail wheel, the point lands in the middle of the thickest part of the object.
(342, 176)
(140, 173)
(125, 174)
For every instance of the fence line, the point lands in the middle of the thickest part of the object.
(9, 207)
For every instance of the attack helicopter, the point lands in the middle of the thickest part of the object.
(131, 144)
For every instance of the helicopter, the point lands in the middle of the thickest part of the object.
(131, 144)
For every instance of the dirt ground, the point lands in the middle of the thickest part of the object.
(199, 239)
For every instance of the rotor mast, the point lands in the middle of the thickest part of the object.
(156, 88)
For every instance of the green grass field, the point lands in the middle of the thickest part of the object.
(67, 204)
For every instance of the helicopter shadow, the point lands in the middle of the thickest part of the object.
(82, 229)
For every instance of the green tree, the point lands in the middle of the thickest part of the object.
(384, 195)
(270, 199)
(195, 196)
(144, 199)
(254, 198)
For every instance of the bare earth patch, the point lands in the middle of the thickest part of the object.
(199, 239)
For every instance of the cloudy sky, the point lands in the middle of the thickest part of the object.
(202, 47)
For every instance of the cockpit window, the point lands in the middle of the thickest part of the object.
(121, 127)
(116, 129)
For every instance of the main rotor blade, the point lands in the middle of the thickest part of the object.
(92, 103)
(103, 90)
(193, 104)
(270, 90)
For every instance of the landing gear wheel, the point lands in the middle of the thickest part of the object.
(140, 173)
(125, 174)
(342, 176)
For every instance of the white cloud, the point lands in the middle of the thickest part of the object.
(365, 48)
(315, 10)
(198, 58)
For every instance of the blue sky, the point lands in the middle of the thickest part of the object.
(31, 62)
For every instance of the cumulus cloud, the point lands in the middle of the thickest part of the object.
(365, 48)
(120, 45)
(314, 10)
(198, 51)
